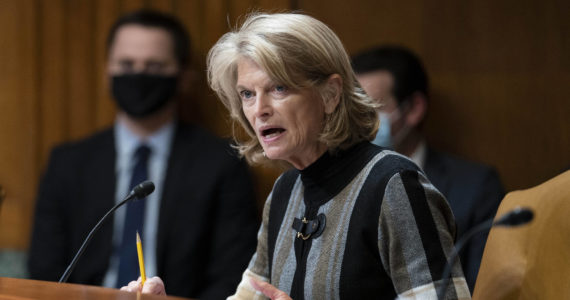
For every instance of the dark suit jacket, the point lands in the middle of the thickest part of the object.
(474, 192)
(207, 224)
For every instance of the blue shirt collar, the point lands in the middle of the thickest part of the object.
(159, 142)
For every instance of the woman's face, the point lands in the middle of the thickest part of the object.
(287, 122)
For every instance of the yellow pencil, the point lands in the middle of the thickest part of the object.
(141, 259)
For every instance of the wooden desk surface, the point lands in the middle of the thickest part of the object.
(24, 289)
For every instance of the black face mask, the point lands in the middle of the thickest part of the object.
(140, 95)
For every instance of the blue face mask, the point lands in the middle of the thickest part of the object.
(383, 136)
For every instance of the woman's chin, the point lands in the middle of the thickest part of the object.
(269, 155)
(273, 155)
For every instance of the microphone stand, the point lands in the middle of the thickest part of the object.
(141, 191)
(515, 217)
(460, 244)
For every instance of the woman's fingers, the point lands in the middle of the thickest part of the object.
(154, 286)
(269, 290)
(133, 286)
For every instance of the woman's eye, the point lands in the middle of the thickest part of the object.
(280, 88)
(245, 94)
(280, 91)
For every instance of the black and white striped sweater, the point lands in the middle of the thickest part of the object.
(388, 231)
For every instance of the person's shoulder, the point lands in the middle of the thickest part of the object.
(381, 157)
(82, 147)
(457, 166)
(386, 165)
(193, 132)
(193, 135)
(201, 145)
(393, 161)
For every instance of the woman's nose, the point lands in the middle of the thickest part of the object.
(263, 107)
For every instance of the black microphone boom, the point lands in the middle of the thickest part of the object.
(515, 217)
(139, 192)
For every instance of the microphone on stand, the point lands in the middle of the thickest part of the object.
(515, 217)
(139, 192)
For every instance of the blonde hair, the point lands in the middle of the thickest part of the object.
(298, 51)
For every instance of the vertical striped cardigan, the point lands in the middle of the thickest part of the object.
(387, 231)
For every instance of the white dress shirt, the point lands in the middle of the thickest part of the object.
(419, 155)
(126, 143)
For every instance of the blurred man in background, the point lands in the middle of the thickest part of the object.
(395, 77)
(198, 227)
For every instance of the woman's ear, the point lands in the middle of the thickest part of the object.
(334, 91)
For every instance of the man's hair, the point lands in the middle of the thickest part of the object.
(154, 19)
(406, 68)
(302, 53)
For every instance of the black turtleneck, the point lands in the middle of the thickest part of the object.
(329, 174)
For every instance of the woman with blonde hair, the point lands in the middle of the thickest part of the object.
(349, 220)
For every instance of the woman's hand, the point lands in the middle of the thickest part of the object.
(153, 286)
(269, 290)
